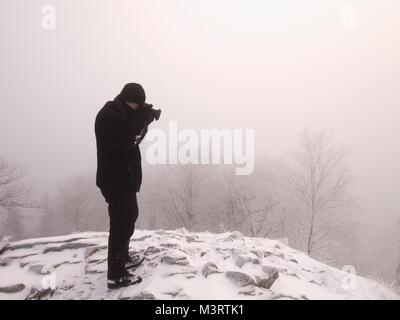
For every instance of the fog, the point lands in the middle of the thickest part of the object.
(277, 67)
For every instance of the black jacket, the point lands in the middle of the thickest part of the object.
(118, 129)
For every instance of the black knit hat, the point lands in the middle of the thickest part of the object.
(133, 92)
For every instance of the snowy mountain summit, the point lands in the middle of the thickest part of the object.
(178, 265)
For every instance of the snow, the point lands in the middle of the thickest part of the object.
(74, 267)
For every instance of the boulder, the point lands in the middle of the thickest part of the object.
(68, 246)
(248, 291)
(270, 269)
(192, 239)
(152, 250)
(92, 250)
(269, 281)
(4, 262)
(144, 295)
(13, 289)
(4, 244)
(168, 245)
(233, 236)
(141, 238)
(239, 278)
(241, 261)
(181, 261)
(209, 268)
(38, 294)
(40, 269)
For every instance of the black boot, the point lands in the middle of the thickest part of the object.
(126, 280)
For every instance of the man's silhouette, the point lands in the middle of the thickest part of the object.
(119, 127)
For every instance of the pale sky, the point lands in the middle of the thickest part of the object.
(274, 66)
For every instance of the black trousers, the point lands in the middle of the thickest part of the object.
(123, 211)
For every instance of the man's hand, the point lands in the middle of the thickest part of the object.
(145, 111)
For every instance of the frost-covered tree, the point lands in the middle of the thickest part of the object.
(319, 182)
(78, 206)
(15, 192)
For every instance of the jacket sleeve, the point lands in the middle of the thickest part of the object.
(120, 134)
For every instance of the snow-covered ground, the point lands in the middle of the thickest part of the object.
(178, 265)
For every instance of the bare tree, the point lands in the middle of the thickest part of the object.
(79, 205)
(249, 203)
(14, 191)
(50, 219)
(181, 210)
(14, 223)
(320, 181)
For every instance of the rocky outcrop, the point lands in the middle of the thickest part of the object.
(177, 265)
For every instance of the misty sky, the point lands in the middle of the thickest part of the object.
(274, 66)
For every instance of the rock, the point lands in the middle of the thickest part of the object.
(241, 261)
(92, 250)
(168, 245)
(65, 262)
(190, 273)
(279, 296)
(94, 271)
(161, 233)
(13, 289)
(192, 239)
(268, 282)
(144, 295)
(169, 234)
(4, 262)
(68, 246)
(240, 278)
(257, 253)
(40, 269)
(174, 292)
(181, 261)
(37, 243)
(267, 254)
(315, 282)
(38, 294)
(255, 261)
(141, 238)
(270, 270)
(152, 250)
(22, 257)
(233, 236)
(4, 244)
(248, 290)
(209, 268)
(292, 274)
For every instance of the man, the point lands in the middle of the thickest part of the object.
(119, 127)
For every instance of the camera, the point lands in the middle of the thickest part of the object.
(148, 109)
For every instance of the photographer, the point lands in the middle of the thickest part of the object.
(120, 126)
